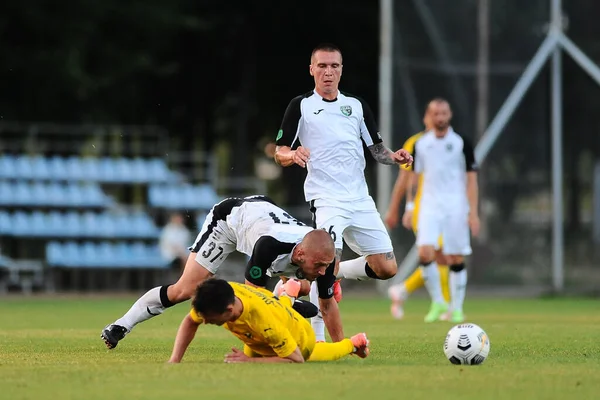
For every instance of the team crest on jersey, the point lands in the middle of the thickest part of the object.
(449, 147)
(346, 110)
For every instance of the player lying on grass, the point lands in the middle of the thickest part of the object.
(277, 245)
(271, 330)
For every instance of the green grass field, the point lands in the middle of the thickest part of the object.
(540, 349)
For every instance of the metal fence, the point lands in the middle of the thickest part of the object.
(474, 53)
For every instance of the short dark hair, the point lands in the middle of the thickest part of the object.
(213, 296)
(435, 100)
(329, 47)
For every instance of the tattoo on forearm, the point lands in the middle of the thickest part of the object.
(338, 254)
(382, 154)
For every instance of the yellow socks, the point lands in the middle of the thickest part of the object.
(331, 351)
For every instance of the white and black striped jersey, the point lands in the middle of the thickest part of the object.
(444, 163)
(265, 233)
(334, 132)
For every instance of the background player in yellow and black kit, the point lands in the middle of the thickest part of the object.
(398, 293)
(271, 330)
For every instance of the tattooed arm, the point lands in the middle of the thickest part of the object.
(385, 156)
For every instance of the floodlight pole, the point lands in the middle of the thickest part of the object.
(384, 172)
(556, 28)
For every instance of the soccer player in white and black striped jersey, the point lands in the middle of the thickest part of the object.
(277, 244)
(330, 127)
(449, 203)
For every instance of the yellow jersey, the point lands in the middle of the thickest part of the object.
(409, 146)
(268, 326)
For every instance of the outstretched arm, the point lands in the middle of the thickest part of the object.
(392, 215)
(185, 335)
(385, 156)
(238, 356)
(285, 156)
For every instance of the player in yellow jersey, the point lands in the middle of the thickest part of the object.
(398, 293)
(271, 330)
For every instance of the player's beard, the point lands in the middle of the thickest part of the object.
(442, 126)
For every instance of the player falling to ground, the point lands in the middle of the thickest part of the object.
(271, 330)
(449, 201)
(277, 244)
(331, 127)
(398, 293)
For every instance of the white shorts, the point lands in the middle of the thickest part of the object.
(357, 222)
(214, 243)
(452, 226)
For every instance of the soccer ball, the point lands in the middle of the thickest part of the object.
(467, 344)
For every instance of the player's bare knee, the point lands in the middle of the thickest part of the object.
(381, 266)
(426, 255)
(456, 263)
(441, 258)
(387, 271)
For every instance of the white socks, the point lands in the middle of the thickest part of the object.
(146, 307)
(431, 276)
(458, 288)
(398, 292)
(317, 322)
(354, 269)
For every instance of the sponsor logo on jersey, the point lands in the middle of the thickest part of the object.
(279, 135)
(318, 111)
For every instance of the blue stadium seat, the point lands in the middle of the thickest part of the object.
(22, 193)
(74, 168)
(7, 167)
(138, 255)
(107, 170)
(5, 223)
(91, 169)
(143, 226)
(55, 225)
(21, 224)
(106, 255)
(90, 224)
(72, 225)
(39, 167)
(122, 253)
(154, 196)
(139, 172)
(90, 256)
(56, 195)
(122, 169)
(6, 193)
(23, 167)
(71, 255)
(39, 194)
(107, 225)
(206, 197)
(38, 224)
(74, 195)
(57, 168)
(55, 254)
(121, 225)
(157, 169)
